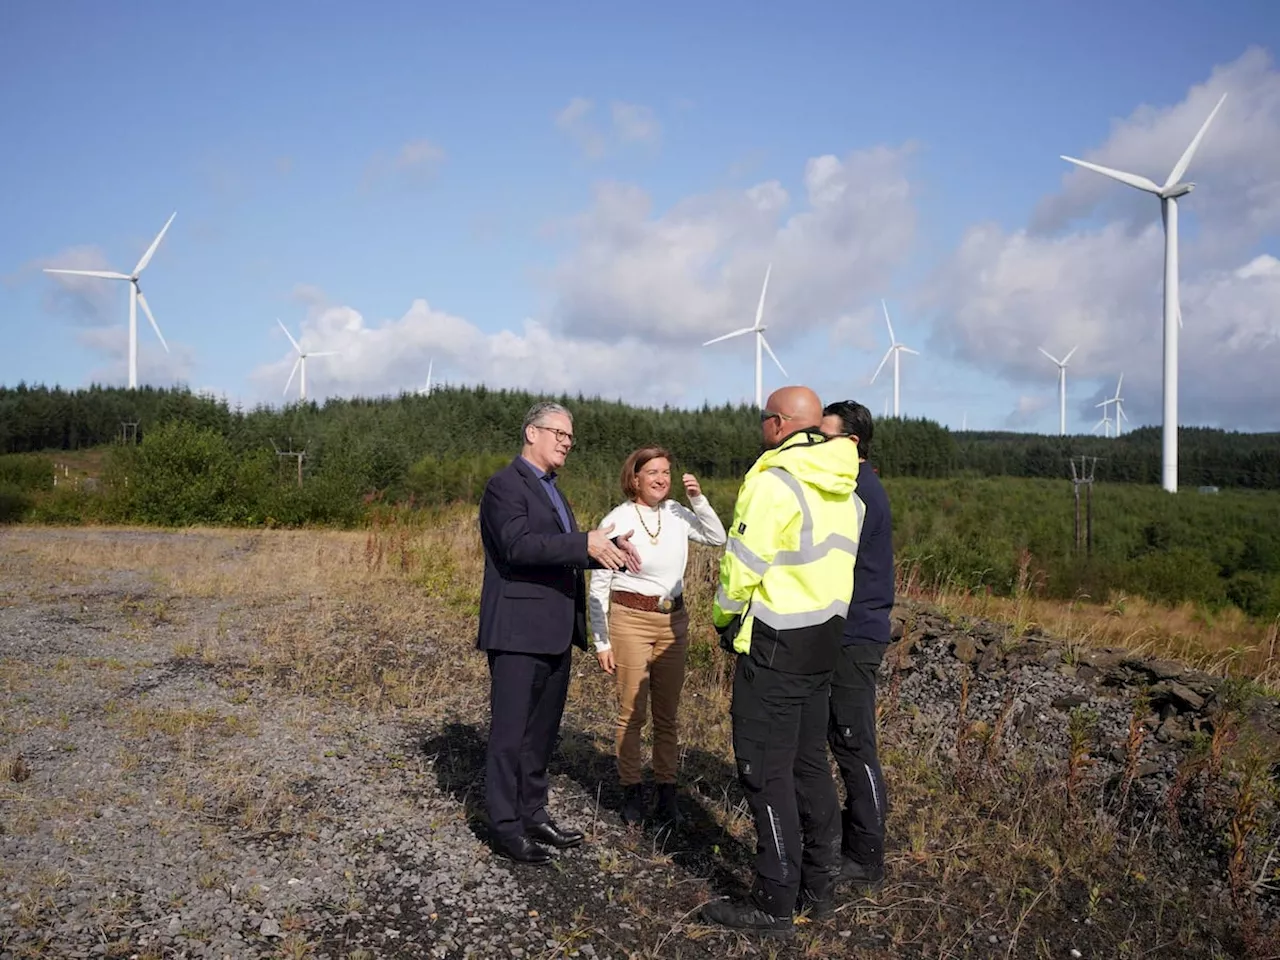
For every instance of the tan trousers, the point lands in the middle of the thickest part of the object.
(649, 651)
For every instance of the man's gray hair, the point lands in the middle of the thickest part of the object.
(538, 413)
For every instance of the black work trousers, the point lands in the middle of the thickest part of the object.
(779, 742)
(852, 735)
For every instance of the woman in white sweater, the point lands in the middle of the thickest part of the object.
(640, 625)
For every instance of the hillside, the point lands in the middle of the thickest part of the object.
(270, 744)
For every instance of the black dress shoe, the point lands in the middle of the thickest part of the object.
(558, 837)
(522, 850)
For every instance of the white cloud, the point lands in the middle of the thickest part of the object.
(1026, 411)
(155, 366)
(628, 123)
(695, 270)
(634, 123)
(392, 355)
(415, 163)
(1002, 294)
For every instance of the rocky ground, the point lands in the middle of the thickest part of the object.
(167, 792)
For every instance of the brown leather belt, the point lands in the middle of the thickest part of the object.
(641, 601)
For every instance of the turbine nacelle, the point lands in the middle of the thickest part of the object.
(1177, 190)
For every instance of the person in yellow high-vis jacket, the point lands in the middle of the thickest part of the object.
(786, 580)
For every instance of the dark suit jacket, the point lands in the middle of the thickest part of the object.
(534, 594)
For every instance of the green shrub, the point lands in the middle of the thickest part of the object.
(15, 503)
(26, 472)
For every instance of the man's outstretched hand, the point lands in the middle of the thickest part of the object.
(612, 553)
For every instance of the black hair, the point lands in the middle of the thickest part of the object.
(855, 420)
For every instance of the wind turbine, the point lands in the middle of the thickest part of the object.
(135, 298)
(1062, 386)
(1118, 401)
(1173, 188)
(426, 391)
(301, 363)
(758, 329)
(896, 349)
(1104, 423)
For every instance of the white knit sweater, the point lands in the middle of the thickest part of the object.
(662, 564)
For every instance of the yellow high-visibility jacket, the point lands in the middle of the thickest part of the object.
(787, 572)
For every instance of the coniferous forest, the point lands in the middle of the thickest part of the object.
(978, 510)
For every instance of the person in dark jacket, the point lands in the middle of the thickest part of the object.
(852, 728)
(532, 614)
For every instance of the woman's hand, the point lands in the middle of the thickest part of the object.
(691, 486)
(605, 657)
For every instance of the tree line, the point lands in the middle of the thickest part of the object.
(385, 436)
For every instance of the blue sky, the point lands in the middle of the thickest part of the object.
(574, 199)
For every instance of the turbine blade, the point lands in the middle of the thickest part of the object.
(103, 274)
(142, 302)
(323, 353)
(1118, 382)
(736, 333)
(1067, 358)
(1120, 411)
(291, 373)
(151, 250)
(1132, 179)
(885, 360)
(289, 335)
(908, 350)
(1185, 160)
(763, 291)
(1049, 355)
(892, 339)
(769, 350)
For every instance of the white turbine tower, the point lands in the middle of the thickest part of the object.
(758, 329)
(1104, 423)
(896, 349)
(1062, 386)
(300, 365)
(135, 298)
(1173, 188)
(1118, 401)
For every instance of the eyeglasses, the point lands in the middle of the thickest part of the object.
(767, 415)
(562, 436)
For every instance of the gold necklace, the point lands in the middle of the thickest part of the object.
(653, 535)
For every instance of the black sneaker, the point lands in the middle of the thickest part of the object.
(866, 878)
(746, 916)
(633, 803)
(817, 906)
(668, 810)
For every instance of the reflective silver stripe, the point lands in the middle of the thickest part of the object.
(860, 506)
(777, 842)
(806, 520)
(875, 794)
(726, 604)
(807, 554)
(795, 621)
(746, 557)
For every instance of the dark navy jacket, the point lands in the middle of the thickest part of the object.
(873, 583)
(534, 594)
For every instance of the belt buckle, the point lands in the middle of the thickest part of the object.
(665, 604)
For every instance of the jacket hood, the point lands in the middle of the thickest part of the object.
(830, 466)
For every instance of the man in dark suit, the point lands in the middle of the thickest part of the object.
(532, 612)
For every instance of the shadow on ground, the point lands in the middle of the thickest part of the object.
(700, 845)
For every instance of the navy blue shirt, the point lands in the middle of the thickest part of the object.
(873, 582)
(553, 492)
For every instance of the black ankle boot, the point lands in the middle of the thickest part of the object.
(633, 803)
(668, 809)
